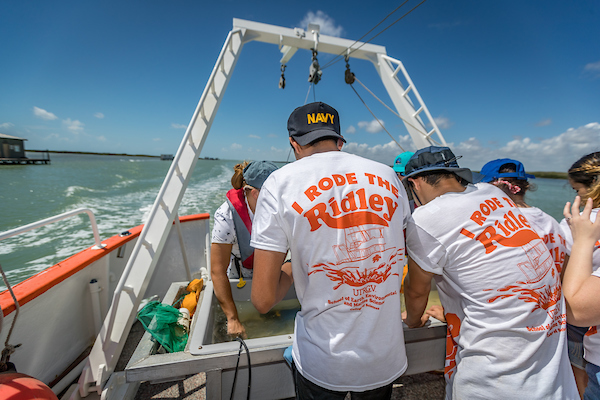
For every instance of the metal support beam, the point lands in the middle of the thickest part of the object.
(411, 116)
(138, 272)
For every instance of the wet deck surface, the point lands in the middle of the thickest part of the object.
(427, 386)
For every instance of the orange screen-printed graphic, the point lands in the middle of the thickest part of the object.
(499, 223)
(364, 260)
(453, 331)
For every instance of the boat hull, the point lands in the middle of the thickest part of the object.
(59, 312)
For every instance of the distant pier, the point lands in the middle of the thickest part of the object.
(12, 152)
(45, 159)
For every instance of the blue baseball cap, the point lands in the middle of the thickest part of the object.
(401, 161)
(491, 170)
(434, 158)
(257, 172)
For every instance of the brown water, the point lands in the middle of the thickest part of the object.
(278, 321)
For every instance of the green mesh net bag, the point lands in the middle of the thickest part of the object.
(160, 321)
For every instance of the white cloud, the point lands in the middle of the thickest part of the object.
(254, 136)
(592, 69)
(101, 138)
(6, 125)
(327, 24)
(178, 126)
(351, 129)
(557, 153)
(385, 153)
(272, 135)
(443, 122)
(544, 122)
(43, 114)
(74, 126)
(553, 154)
(235, 146)
(371, 126)
(56, 137)
(156, 139)
(99, 115)
(277, 150)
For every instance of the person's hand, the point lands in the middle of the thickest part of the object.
(235, 328)
(581, 226)
(436, 312)
(415, 324)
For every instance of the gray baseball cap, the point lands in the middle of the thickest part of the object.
(257, 172)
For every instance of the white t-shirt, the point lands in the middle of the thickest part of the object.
(342, 217)
(550, 232)
(501, 294)
(224, 232)
(591, 340)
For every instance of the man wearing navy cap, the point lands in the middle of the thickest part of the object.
(497, 282)
(342, 218)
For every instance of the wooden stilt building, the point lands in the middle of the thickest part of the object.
(12, 151)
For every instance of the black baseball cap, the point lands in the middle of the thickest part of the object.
(314, 121)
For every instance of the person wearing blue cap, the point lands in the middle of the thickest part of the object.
(400, 162)
(510, 176)
(342, 217)
(231, 253)
(496, 280)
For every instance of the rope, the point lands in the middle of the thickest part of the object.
(385, 29)
(307, 93)
(377, 119)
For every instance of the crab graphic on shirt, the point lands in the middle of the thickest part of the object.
(354, 276)
(502, 226)
(363, 263)
(538, 265)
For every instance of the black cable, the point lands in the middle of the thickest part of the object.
(329, 64)
(242, 345)
(371, 30)
(377, 119)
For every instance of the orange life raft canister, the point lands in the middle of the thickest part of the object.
(17, 386)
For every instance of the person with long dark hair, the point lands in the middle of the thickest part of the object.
(581, 284)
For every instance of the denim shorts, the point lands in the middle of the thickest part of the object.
(592, 391)
(576, 354)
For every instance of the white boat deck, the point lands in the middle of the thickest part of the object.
(424, 386)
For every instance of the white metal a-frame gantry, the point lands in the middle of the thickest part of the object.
(140, 267)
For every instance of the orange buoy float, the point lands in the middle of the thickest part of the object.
(190, 301)
(17, 386)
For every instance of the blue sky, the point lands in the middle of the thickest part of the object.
(517, 79)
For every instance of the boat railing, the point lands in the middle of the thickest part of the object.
(56, 218)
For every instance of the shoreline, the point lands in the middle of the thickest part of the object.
(105, 154)
(538, 174)
(91, 153)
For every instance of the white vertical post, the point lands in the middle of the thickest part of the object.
(140, 267)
